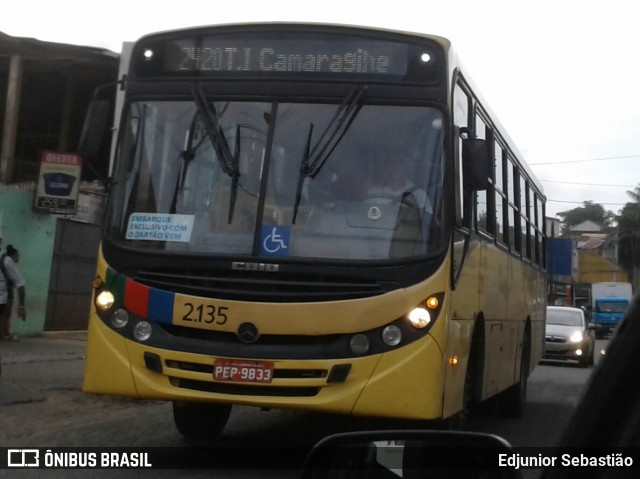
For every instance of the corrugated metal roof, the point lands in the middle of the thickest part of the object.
(36, 49)
(590, 243)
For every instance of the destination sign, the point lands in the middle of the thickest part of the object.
(215, 55)
(286, 53)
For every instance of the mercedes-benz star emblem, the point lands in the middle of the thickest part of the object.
(248, 333)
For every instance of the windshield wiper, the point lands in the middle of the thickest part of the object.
(228, 161)
(304, 172)
(336, 129)
(235, 176)
(131, 191)
(186, 156)
(315, 158)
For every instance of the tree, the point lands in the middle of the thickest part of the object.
(629, 234)
(635, 194)
(589, 212)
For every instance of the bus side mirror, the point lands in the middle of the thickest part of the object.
(95, 138)
(476, 163)
(94, 129)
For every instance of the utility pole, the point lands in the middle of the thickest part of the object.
(615, 254)
(552, 263)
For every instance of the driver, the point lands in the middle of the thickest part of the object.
(351, 180)
(397, 185)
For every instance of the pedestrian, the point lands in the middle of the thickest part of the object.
(10, 279)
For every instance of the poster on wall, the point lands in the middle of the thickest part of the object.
(58, 182)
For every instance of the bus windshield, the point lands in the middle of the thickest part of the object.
(279, 179)
(612, 306)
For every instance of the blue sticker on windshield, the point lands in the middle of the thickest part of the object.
(275, 240)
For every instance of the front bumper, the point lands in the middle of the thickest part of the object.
(398, 379)
(565, 350)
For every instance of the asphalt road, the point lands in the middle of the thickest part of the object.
(41, 405)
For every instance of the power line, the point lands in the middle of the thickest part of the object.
(582, 202)
(588, 184)
(583, 161)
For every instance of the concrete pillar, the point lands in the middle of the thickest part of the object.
(11, 111)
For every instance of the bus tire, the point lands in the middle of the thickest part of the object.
(515, 397)
(200, 420)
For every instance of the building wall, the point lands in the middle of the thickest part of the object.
(594, 268)
(33, 234)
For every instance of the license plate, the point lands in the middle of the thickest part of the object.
(243, 371)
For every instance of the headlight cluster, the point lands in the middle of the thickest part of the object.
(104, 300)
(118, 317)
(576, 337)
(392, 335)
(419, 318)
(360, 344)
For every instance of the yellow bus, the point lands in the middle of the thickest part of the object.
(315, 217)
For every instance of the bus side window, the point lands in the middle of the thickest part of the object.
(484, 198)
(499, 193)
(461, 109)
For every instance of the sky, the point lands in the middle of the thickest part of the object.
(562, 76)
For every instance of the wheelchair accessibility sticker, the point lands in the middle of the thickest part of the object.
(275, 240)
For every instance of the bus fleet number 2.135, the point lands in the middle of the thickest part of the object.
(205, 313)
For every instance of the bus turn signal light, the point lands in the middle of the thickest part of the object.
(433, 302)
(97, 282)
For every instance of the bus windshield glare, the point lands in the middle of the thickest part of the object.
(279, 179)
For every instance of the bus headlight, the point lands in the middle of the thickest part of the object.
(119, 318)
(359, 344)
(104, 300)
(391, 335)
(142, 331)
(419, 318)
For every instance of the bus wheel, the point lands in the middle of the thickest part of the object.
(514, 398)
(200, 420)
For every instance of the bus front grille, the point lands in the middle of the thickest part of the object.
(277, 373)
(245, 389)
(257, 286)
